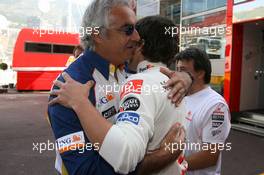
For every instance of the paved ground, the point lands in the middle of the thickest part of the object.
(246, 156)
(23, 122)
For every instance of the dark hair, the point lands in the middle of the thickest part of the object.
(159, 45)
(78, 47)
(200, 59)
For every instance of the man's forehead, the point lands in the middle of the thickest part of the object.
(122, 15)
(179, 62)
(184, 63)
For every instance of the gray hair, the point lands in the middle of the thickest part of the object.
(97, 15)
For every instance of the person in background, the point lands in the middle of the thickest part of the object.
(3, 66)
(4, 75)
(208, 115)
(77, 51)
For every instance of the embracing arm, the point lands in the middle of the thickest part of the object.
(179, 83)
(123, 145)
(73, 94)
(92, 122)
(165, 155)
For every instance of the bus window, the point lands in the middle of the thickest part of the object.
(37, 47)
(63, 49)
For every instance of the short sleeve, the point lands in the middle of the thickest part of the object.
(217, 124)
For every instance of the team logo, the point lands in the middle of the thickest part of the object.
(132, 86)
(128, 117)
(130, 104)
(109, 112)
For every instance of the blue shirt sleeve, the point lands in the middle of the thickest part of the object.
(85, 161)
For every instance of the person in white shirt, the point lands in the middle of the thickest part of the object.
(145, 116)
(208, 115)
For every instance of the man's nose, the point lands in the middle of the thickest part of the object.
(135, 36)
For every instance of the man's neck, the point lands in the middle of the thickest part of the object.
(133, 63)
(197, 87)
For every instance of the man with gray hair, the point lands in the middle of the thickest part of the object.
(104, 51)
(115, 42)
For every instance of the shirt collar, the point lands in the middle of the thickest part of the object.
(145, 65)
(91, 58)
(201, 92)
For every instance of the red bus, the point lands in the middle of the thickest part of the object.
(40, 56)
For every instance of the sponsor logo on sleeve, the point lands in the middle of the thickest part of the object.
(216, 132)
(128, 117)
(218, 118)
(109, 112)
(130, 104)
(132, 86)
(70, 142)
(216, 124)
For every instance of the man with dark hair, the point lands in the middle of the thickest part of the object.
(145, 116)
(208, 114)
(200, 61)
(159, 47)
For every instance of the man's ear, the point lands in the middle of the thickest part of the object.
(201, 74)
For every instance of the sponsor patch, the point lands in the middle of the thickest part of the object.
(109, 112)
(132, 86)
(130, 104)
(129, 117)
(71, 142)
(216, 132)
(106, 99)
(216, 124)
(218, 117)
